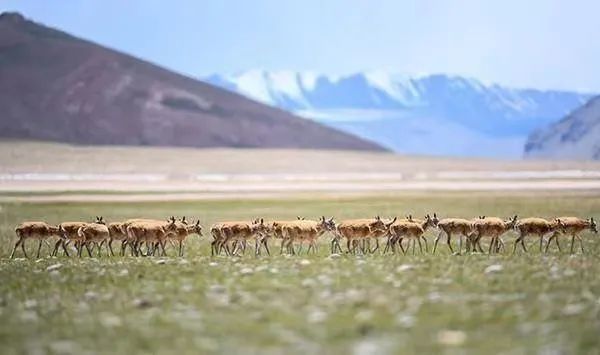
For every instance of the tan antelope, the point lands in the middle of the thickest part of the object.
(153, 233)
(117, 231)
(357, 230)
(236, 233)
(492, 227)
(181, 230)
(274, 230)
(135, 244)
(457, 226)
(537, 227)
(393, 241)
(68, 232)
(40, 231)
(412, 230)
(306, 231)
(95, 234)
(573, 226)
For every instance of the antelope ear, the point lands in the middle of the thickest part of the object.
(262, 221)
(331, 220)
(434, 215)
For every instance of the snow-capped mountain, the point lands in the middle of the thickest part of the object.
(434, 114)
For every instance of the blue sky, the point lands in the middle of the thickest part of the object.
(535, 43)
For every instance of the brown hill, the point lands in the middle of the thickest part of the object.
(54, 86)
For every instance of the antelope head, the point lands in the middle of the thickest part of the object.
(100, 220)
(259, 226)
(511, 222)
(593, 226)
(378, 224)
(196, 228)
(430, 221)
(182, 220)
(326, 224)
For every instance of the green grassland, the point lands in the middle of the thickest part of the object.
(532, 303)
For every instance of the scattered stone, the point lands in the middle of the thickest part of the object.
(334, 256)
(451, 337)
(316, 316)
(142, 303)
(123, 272)
(260, 268)
(161, 261)
(308, 283)
(273, 270)
(305, 262)
(91, 296)
(217, 289)
(29, 304)
(363, 316)
(213, 263)
(405, 267)
(573, 309)
(54, 267)
(109, 320)
(187, 288)
(29, 316)
(246, 271)
(64, 347)
(492, 269)
(405, 321)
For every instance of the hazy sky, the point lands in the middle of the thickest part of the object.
(539, 43)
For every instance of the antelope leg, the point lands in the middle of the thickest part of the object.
(19, 241)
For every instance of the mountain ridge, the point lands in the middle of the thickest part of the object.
(56, 86)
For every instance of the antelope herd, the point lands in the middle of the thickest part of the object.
(233, 237)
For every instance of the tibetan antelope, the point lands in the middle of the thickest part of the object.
(40, 231)
(181, 230)
(116, 231)
(69, 234)
(274, 230)
(450, 226)
(136, 244)
(412, 230)
(236, 233)
(358, 230)
(491, 227)
(95, 234)
(306, 231)
(537, 227)
(573, 226)
(391, 241)
(153, 233)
